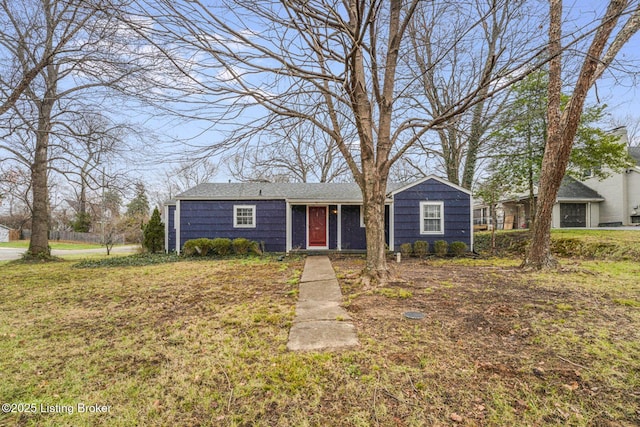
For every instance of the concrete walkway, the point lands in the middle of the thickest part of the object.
(320, 322)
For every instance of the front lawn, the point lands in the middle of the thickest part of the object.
(204, 343)
(53, 244)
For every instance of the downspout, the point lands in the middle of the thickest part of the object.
(339, 219)
(178, 220)
(166, 229)
(288, 227)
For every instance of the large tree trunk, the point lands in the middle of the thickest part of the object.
(563, 125)
(376, 270)
(39, 244)
(539, 255)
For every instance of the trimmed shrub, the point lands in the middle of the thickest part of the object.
(197, 247)
(153, 234)
(420, 248)
(241, 246)
(221, 246)
(257, 248)
(458, 248)
(406, 249)
(440, 247)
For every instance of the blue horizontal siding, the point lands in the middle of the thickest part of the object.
(457, 213)
(353, 236)
(171, 247)
(211, 219)
(298, 227)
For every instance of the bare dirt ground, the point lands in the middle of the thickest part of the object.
(497, 334)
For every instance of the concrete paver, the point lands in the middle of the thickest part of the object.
(320, 322)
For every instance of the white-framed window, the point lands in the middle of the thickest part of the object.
(431, 217)
(244, 216)
(362, 216)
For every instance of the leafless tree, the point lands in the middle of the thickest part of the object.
(91, 140)
(86, 61)
(19, 23)
(632, 124)
(182, 176)
(618, 24)
(261, 59)
(454, 62)
(15, 186)
(290, 152)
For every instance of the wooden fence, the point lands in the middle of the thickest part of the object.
(77, 237)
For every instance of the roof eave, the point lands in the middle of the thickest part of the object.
(426, 178)
(579, 199)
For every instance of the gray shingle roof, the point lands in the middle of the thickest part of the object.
(570, 188)
(335, 192)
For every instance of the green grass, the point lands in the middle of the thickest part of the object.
(203, 342)
(614, 245)
(53, 244)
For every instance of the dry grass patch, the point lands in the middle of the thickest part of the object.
(499, 346)
(204, 343)
(173, 344)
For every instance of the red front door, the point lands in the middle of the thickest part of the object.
(317, 226)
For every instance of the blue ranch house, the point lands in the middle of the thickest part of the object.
(317, 216)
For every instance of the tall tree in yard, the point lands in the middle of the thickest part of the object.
(137, 214)
(470, 65)
(619, 23)
(521, 137)
(64, 55)
(335, 65)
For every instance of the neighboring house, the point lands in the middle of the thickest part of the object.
(4, 233)
(621, 191)
(317, 216)
(576, 206)
(590, 202)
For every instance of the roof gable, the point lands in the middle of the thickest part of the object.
(404, 187)
(570, 188)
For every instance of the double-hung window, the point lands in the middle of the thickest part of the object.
(431, 218)
(244, 216)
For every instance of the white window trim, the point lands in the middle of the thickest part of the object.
(235, 216)
(422, 205)
(362, 225)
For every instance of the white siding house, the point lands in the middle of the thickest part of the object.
(588, 203)
(621, 205)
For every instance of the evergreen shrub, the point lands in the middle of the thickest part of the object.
(221, 246)
(241, 246)
(153, 233)
(197, 247)
(406, 249)
(440, 247)
(420, 248)
(458, 248)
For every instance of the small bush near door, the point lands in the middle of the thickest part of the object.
(406, 249)
(197, 247)
(221, 246)
(458, 248)
(420, 248)
(440, 247)
(241, 245)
